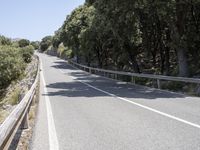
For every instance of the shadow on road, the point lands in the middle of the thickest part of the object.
(77, 89)
(62, 65)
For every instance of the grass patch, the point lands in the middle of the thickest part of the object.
(13, 99)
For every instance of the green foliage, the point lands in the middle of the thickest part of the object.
(64, 52)
(160, 37)
(11, 65)
(13, 59)
(35, 44)
(45, 43)
(23, 43)
(27, 53)
(56, 39)
(4, 40)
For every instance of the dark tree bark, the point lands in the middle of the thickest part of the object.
(132, 58)
(182, 61)
(179, 31)
(167, 61)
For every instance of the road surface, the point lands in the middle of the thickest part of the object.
(79, 111)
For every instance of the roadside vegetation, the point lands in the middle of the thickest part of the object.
(15, 56)
(13, 60)
(153, 37)
(139, 36)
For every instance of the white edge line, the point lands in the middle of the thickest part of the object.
(53, 141)
(137, 104)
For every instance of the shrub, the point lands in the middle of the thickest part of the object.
(23, 43)
(27, 53)
(45, 43)
(11, 65)
(64, 52)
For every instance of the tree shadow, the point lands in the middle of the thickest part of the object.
(62, 65)
(121, 89)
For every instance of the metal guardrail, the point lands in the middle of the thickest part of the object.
(133, 75)
(18, 117)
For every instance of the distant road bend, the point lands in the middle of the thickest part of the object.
(80, 111)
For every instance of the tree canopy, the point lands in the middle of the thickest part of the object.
(45, 43)
(160, 37)
(23, 43)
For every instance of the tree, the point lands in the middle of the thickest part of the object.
(45, 43)
(76, 23)
(4, 40)
(160, 37)
(27, 53)
(23, 43)
(56, 39)
(35, 44)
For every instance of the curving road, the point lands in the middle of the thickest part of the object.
(79, 111)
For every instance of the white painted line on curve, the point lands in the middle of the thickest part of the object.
(53, 141)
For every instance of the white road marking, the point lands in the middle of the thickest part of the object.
(137, 104)
(145, 107)
(53, 141)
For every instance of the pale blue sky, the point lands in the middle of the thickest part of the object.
(33, 19)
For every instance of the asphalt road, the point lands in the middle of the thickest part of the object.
(79, 111)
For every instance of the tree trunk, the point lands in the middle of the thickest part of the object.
(179, 31)
(99, 58)
(132, 58)
(167, 62)
(167, 52)
(182, 61)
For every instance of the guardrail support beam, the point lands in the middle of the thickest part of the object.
(158, 84)
(25, 122)
(134, 76)
(133, 79)
(116, 76)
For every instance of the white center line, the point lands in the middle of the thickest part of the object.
(137, 104)
(53, 141)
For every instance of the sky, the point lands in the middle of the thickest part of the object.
(34, 19)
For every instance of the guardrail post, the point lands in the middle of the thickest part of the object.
(198, 90)
(34, 98)
(133, 79)
(20, 97)
(116, 76)
(158, 84)
(25, 122)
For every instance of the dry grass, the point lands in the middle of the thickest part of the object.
(3, 115)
